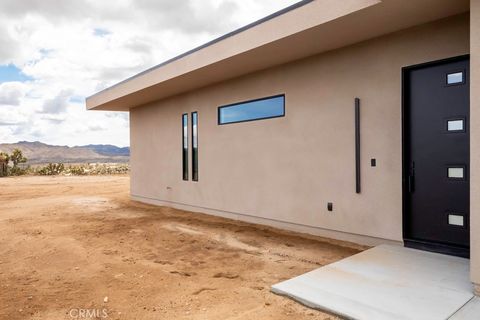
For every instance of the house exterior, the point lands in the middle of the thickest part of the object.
(357, 120)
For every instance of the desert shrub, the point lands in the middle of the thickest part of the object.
(17, 171)
(121, 169)
(108, 169)
(51, 169)
(76, 171)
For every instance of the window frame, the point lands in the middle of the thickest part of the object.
(455, 213)
(251, 101)
(194, 140)
(459, 118)
(453, 71)
(185, 171)
(457, 166)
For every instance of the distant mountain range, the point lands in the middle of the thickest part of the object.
(108, 150)
(38, 152)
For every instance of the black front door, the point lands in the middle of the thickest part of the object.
(436, 156)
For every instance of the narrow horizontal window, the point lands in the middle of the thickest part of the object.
(456, 220)
(455, 125)
(185, 146)
(455, 78)
(194, 146)
(265, 108)
(456, 173)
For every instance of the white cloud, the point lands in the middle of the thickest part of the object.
(58, 104)
(11, 93)
(74, 48)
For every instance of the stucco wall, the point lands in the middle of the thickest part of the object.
(475, 143)
(287, 169)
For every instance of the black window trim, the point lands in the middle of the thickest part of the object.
(250, 101)
(455, 213)
(456, 118)
(457, 166)
(453, 71)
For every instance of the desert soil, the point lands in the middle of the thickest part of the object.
(78, 247)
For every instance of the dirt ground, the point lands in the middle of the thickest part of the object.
(79, 248)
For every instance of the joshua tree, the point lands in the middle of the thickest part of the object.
(4, 157)
(17, 157)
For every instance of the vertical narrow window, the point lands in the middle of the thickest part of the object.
(195, 146)
(185, 146)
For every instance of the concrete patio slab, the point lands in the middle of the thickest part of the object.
(471, 311)
(386, 282)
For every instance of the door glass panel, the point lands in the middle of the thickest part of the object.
(456, 173)
(453, 78)
(456, 220)
(455, 125)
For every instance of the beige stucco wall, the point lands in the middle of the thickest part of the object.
(475, 143)
(285, 170)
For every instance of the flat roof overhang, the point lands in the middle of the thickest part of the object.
(305, 29)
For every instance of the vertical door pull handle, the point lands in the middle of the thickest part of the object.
(411, 178)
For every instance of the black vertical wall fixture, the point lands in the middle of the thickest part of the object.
(357, 146)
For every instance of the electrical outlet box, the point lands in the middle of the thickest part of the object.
(330, 206)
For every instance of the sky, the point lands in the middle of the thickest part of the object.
(54, 53)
